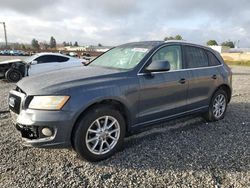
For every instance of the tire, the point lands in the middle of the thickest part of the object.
(13, 75)
(217, 111)
(87, 129)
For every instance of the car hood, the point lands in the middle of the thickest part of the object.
(58, 81)
(10, 61)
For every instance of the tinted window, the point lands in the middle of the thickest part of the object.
(195, 57)
(172, 54)
(62, 59)
(51, 58)
(213, 61)
(45, 59)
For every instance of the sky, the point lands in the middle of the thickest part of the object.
(114, 22)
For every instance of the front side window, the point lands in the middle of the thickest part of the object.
(43, 59)
(172, 54)
(195, 57)
(122, 57)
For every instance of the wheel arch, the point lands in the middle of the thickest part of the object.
(21, 67)
(120, 106)
(227, 89)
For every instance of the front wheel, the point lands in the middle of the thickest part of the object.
(218, 106)
(13, 75)
(99, 133)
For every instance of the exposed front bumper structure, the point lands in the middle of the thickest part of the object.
(40, 128)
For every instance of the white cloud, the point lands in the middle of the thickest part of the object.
(114, 22)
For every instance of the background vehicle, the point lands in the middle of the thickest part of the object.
(44, 62)
(5, 52)
(125, 89)
(14, 70)
(86, 56)
(17, 53)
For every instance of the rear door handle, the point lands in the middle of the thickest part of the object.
(182, 81)
(214, 77)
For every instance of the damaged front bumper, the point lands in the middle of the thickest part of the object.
(40, 128)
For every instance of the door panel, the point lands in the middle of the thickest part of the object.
(71, 63)
(43, 67)
(201, 86)
(203, 78)
(162, 95)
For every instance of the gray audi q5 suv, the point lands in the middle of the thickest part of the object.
(127, 88)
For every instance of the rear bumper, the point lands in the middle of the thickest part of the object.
(30, 123)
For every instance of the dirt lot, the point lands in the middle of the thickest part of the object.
(187, 152)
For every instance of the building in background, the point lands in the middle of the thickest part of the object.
(72, 48)
(220, 49)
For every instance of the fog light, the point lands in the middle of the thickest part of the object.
(46, 132)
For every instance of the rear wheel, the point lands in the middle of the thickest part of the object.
(13, 75)
(99, 133)
(218, 106)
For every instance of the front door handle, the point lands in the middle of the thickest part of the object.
(182, 81)
(214, 77)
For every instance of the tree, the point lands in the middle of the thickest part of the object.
(177, 37)
(228, 43)
(168, 38)
(43, 45)
(76, 43)
(35, 44)
(52, 42)
(100, 45)
(23, 47)
(212, 43)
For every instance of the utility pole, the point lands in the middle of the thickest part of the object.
(5, 33)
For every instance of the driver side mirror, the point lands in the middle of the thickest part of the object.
(34, 62)
(158, 66)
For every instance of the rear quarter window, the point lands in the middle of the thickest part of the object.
(213, 61)
(62, 59)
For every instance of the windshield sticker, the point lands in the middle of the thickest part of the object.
(143, 50)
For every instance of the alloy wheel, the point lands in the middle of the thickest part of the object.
(102, 135)
(219, 106)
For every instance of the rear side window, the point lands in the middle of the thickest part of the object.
(213, 61)
(195, 57)
(51, 58)
(62, 59)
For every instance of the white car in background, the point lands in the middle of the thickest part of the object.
(14, 70)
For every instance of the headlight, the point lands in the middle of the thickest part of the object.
(48, 102)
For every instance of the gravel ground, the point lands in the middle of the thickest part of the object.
(187, 152)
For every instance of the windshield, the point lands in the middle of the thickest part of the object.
(31, 58)
(122, 57)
